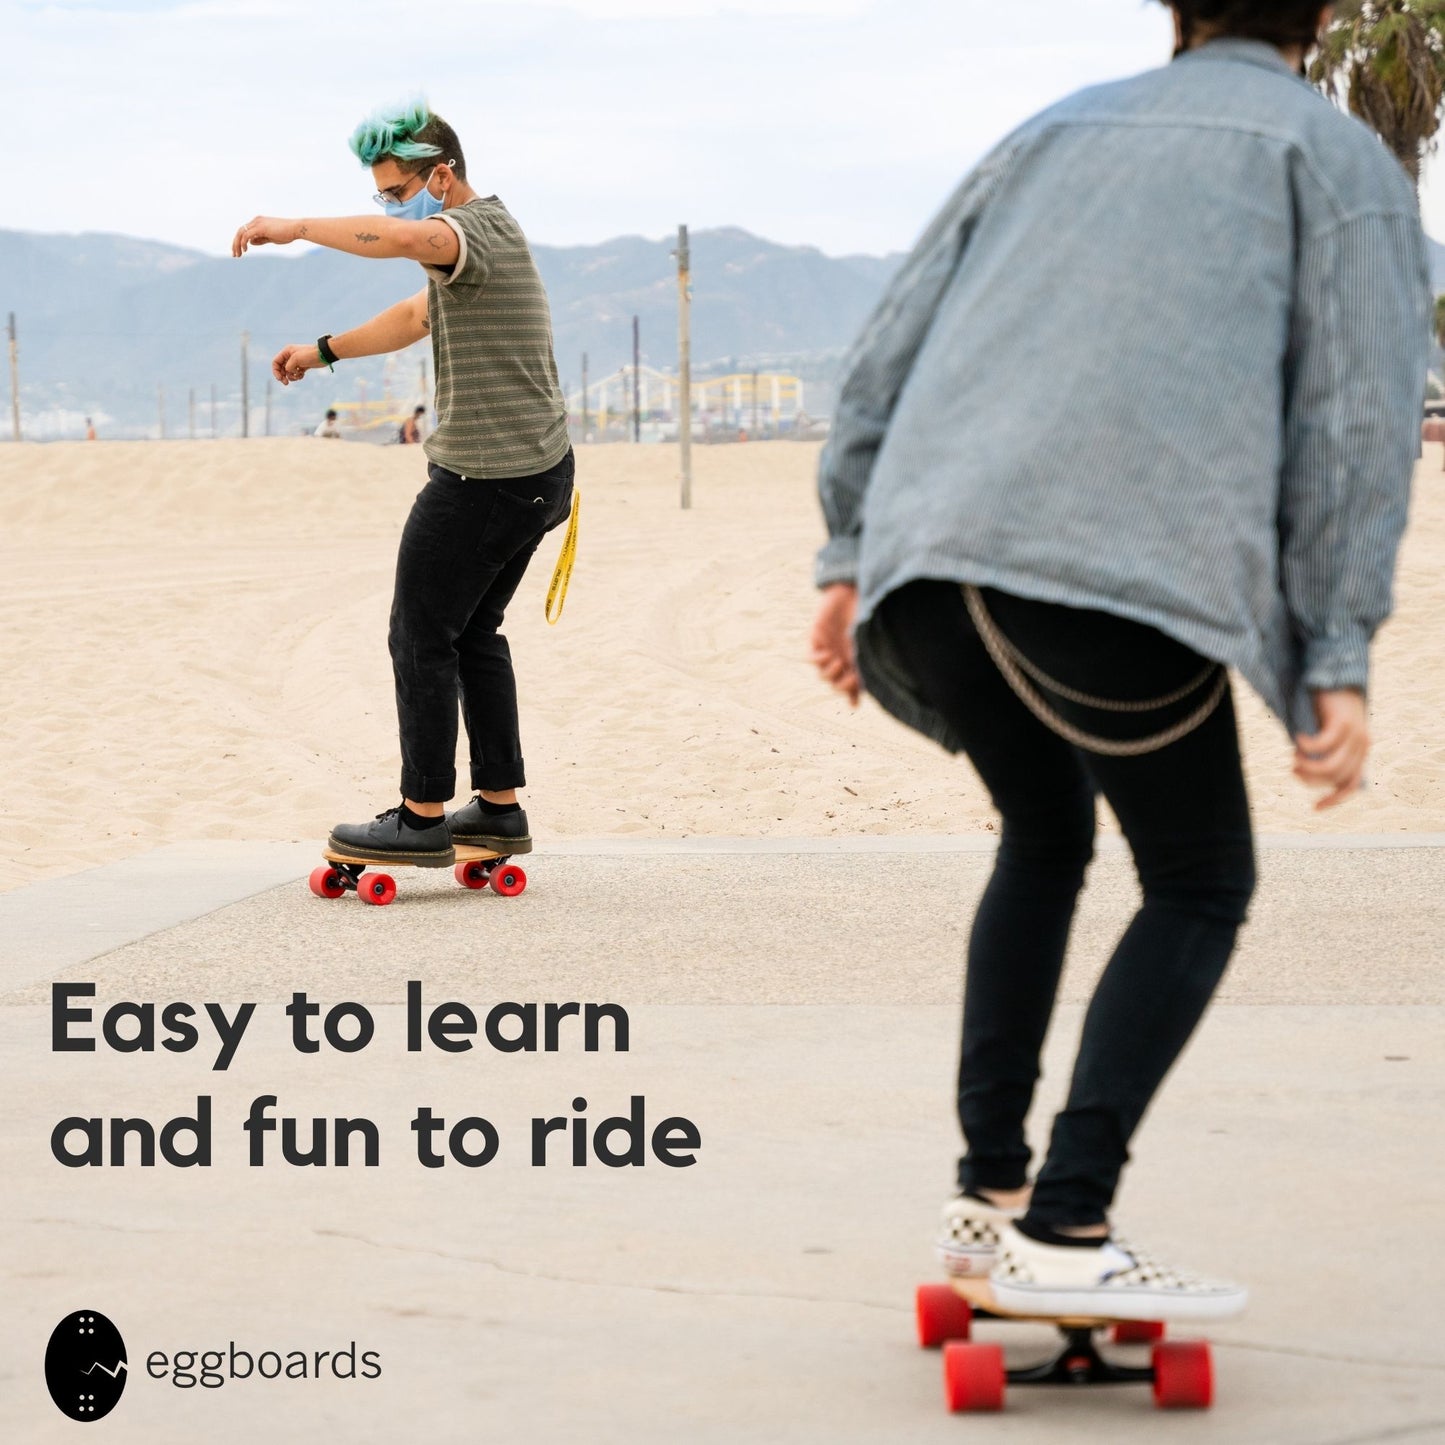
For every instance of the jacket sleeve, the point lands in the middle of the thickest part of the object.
(1356, 380)
(878, 365)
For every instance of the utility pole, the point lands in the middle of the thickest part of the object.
(245, 386)
(14, 380)
(161, 410)
(213, 411)
(268, 406)
(636, 384)
(192, 431)
(753, 434)
(584, 396)
(684, 362)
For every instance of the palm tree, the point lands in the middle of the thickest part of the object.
(1387, 59)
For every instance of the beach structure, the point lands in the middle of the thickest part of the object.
(760, 403)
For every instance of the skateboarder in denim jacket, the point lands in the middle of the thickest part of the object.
(499, 478)
(1214, 284)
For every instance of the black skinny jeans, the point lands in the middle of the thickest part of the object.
(1185, 815)
(464, 550)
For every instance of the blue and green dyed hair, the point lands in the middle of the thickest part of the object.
(412, 135)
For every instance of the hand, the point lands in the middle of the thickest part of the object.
(291, 363)
(265, 231)
(832, 639)
(1334, 757)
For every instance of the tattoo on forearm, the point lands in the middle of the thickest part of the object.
(367, 237)
(303, 230)
(426, 323)
(435, 242)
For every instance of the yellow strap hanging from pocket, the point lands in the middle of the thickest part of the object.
(562, 574)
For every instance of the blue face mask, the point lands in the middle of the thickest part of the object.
(421, 206)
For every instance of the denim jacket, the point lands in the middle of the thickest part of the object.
(1162, 354)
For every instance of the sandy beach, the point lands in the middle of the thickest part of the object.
(193, 643)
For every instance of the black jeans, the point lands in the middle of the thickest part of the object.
(1185, 815)
(464, 550)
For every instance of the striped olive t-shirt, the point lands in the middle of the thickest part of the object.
(500, 411)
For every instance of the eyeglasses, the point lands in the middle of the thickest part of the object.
(391, 198)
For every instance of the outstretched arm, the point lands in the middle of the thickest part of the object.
(393, 330)
(431, 242)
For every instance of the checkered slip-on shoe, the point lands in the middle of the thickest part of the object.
(968, 1234)
(1114, 1281)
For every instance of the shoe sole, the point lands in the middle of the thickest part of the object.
(509, 846)
(351, 854)
(1132, 1303)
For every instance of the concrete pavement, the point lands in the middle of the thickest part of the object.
(798, 1004)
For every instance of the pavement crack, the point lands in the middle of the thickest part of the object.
(96, 1224)
(644, 1287)
(1332, 1357)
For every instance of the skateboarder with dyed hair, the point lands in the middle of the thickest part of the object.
(500, 474)
(1234, 340)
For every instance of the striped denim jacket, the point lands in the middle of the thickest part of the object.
(1162, 354)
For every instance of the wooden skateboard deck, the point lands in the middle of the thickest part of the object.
(369, 877)
(979, 1294)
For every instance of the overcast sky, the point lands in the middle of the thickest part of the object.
(839, 123)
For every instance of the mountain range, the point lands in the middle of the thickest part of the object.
(105, 320)
(126, 330)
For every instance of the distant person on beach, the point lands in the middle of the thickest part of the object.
(89, 430)
(328, 427)
(500, 473)
(411, 428)
(1236, 328)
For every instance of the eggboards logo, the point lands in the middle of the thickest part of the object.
(85, 1365)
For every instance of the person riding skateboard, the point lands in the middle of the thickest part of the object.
(1235, 341)
(500, 474)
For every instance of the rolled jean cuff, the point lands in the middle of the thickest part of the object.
(428, 787)
(498, 777)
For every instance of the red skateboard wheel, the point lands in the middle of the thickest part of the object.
(973, 1376)
(471, 875)
(1183, 1375)
(508, 880)
(377, 888)
(326, 882)
(943, 1314)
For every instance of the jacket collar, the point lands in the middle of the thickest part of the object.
(1235, 47)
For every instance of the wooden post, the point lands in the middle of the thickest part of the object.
(584, 396)
(213, 411)
(245, 386)
(192, 432)
(753, 433)
(636, 385)
(684, 362)
(14, 380)
(268, 406)
(161, 410)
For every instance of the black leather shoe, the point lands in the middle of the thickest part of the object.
(387, 836)
(501, 832)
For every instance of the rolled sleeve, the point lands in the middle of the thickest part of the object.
(473, 264)
(1356, 373)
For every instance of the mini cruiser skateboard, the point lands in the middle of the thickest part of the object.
(362, 875)
(976, 1376)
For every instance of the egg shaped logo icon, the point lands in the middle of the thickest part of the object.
(85, 1365)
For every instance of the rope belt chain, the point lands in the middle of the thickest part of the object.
(562, 573)
(1014, 665)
